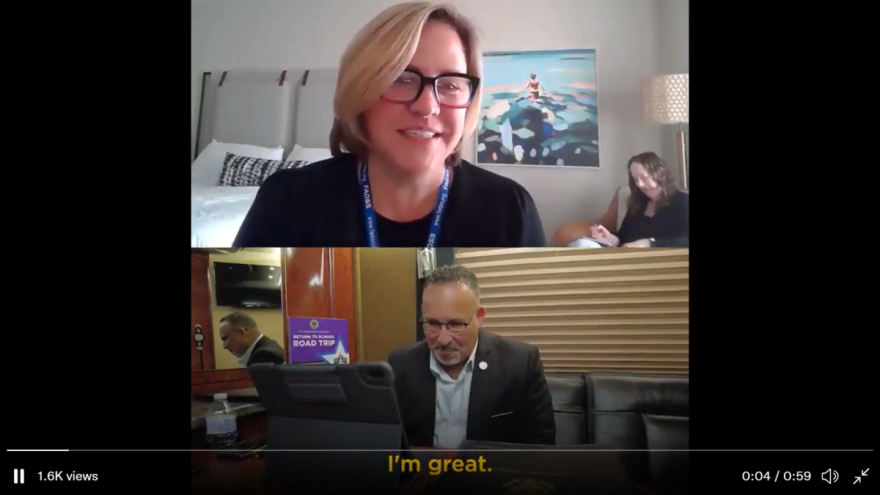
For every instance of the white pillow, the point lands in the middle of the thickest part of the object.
(585, 242)
(208, 166)
(309, 155)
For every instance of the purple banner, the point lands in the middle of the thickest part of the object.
(318, 340)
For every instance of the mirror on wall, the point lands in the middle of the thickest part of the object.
(237, 298)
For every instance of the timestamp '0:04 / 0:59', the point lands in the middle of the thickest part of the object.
(776, 476)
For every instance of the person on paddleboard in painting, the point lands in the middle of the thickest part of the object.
(534, 87)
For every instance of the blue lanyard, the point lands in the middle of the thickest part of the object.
(370, 214)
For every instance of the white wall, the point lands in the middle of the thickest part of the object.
(261, 34)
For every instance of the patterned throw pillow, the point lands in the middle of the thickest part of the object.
(244, 171)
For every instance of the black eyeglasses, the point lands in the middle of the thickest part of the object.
(453, 327)
(451, 89)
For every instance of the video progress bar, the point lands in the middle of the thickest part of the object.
(37, 450)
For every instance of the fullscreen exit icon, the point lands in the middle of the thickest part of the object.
(18, 476)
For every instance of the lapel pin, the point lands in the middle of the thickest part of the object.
(483, 365)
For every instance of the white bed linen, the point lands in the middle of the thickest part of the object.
(217, 214)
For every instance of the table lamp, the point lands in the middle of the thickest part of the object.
(665, 101)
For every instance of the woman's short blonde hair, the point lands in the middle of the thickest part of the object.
(378, 54)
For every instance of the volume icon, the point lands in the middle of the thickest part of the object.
(830, 476)
(18, 476)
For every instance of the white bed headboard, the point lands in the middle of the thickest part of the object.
(314, 117)
(267, 108)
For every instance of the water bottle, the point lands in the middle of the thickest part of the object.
(220, 424)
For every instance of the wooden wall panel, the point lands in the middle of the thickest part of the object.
(614, 310)
(319, 282)
(200, 313)
(387, 293)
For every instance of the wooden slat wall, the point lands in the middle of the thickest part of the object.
(589, 309)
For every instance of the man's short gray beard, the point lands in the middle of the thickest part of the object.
(447, 362)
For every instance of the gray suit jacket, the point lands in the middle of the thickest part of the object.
(509, 400)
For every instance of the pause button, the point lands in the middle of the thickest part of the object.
(18, 476)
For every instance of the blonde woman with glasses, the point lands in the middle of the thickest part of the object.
(406, 97)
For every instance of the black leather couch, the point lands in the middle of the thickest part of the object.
(642, 413)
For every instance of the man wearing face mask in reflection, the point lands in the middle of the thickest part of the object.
(463, 383)
(242, 337)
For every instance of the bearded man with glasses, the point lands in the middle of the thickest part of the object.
(463, 383)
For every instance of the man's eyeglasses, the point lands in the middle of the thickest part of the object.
(453, 327)
(452, 89)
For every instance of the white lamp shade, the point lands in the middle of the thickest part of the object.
(665, 99)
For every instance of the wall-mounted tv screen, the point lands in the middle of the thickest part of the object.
(241, 285)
